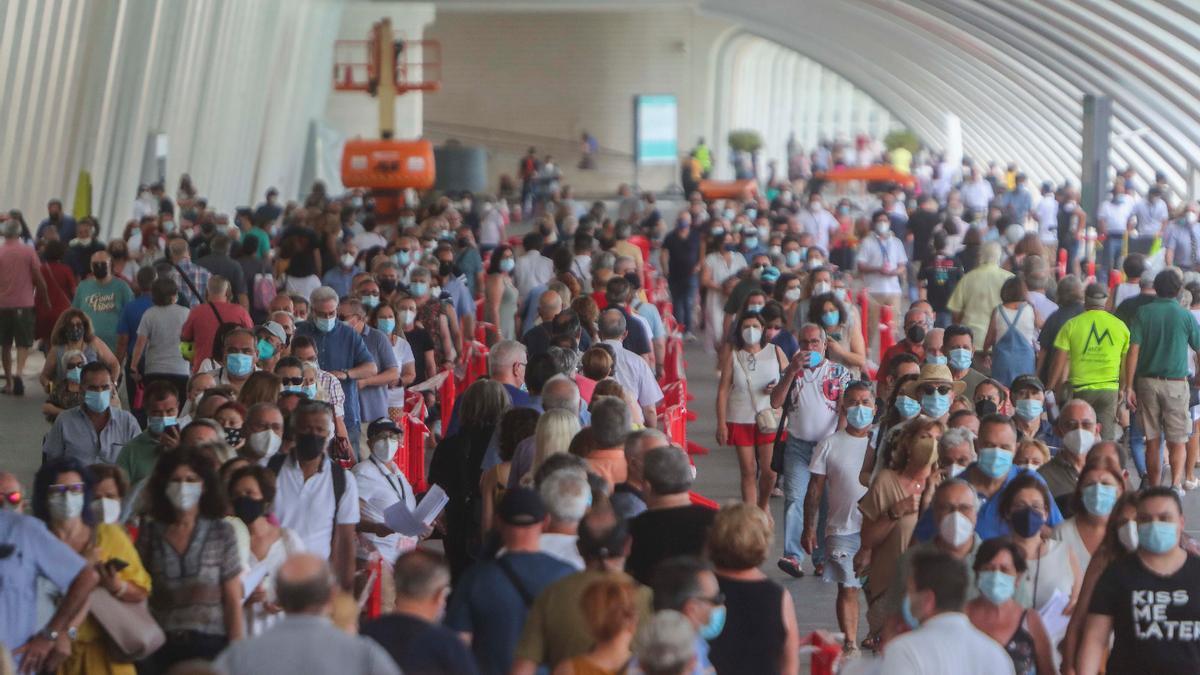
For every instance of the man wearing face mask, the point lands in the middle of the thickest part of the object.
(818, 221)
(958, 345)
(315, 498)
(381, 484)
(1181, 241)
(102, 297)
(264, 432)
(92, 432)
(339, 278)
(935, 390)
(241, 357)
(1029, 403)
(836, 463)
(941, 640)
(372, 390)
(883, 263)
(1079, 432)
(913, 342)
(1145, 602)
(812, 406)
(137, 458)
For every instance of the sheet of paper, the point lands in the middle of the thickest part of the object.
(1053, 618)
(432, 504)
(253, 578)
(400, 519)
(431, 384)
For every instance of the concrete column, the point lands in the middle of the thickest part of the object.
(1097, 126)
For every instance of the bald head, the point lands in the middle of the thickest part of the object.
(304, 585)
(549, 305)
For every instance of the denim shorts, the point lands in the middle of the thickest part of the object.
(840, 550)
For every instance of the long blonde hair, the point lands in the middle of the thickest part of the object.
(553, 435)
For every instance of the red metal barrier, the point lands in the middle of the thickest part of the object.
(886, 339)
(673, 363)
(415, 436)
(477, 364)
(446, 395)
(1114, 279)
(1062, 263)
(701, 500)
(375, 598)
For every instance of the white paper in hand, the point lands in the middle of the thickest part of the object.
(401, 520)
(1053, 618)
(253, 578)
(432, 504)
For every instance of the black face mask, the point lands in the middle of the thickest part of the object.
(249, 509)
(634, 282)
(915, 333)
(387, 285)
(446, 270)
(100, 270)
(233, 436)
(463, 242)
(985, 407)
(310, 446)
(75, 334)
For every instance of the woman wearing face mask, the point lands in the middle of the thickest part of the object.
(749, 372)
(722, 264)
(231, 417)
(1012, 334)
(419, 339)
(844, 346)
(816, 282)
(251, 492)
(383, 319)
(108, 492)
(73, 333)
(1025, 506)
(158, 339)
(432, 313)
(998, 564)
(68, 392)
(1100, 486)
(193, 560)
(777, 333)
(1031, 454)
(752, 627)
(788, 292)
(500, 295)
(900, 410)
(62, 498)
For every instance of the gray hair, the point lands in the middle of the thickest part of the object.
(12, 228)
(308, 408)
(322, 294)
(666, 644)
(820, 330)
(610, 421)
(951, 483)
(566, 495)
(611, 324)
(560, 392)
(420, 573)
(1070, 290)
(990, 252)
(484, 403)
(503, 354)
(636, 442)
(604, 260)
(218, 286)
(566, 361)
(667, 470)
(956, 437)
(418, 274)
(1035, 272)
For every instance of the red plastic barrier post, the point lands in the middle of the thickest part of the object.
(886, 339)
(446, 395)
(1114, 279)
(1062, 263)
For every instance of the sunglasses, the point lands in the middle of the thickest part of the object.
(292, 381)
(60, 488)
(942, 389)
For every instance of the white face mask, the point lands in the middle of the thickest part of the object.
(822, 287)
(406, 317)
(1079, 441)
(184, 496)
(1192, 217)
(956, 469)
(65, 506)
(793, 294)
(751, 335)
(264, 443)
(107, 510)
(385, 449)
(956, 529)
(1128, 536)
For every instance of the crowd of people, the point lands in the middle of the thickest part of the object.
(232, 407)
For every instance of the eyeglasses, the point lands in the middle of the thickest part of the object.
(942, 389)
(60, 488)
(292, 381)
(715, 600)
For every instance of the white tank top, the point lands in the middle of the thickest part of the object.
(751, 374)
(1049, 573)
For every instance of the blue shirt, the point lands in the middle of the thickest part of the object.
(340, 349)
(73, 435)
(460, 297)
(787, 342)
(988, 522)
(374, 398)
(66, 228)
(35, 553)
(487, 604)
(131, 317)
(339, 279)
(470, 264)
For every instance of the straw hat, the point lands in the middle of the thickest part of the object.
(932, 373)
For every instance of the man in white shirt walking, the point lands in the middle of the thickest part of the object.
(1113, 220)
(819, 222)
(882, 262)
(942, 638)
(835, 465)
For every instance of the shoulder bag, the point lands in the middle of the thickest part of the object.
(133, 633)
(766, 420)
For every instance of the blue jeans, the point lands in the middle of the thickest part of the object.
(1112, 253)
(683, 299)
(796, 457)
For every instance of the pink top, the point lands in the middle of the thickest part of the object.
(18, 264)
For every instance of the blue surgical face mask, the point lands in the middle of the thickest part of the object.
(73, 374)
(97, 401)
(507, 265)
(310, 390)
(294, 387)
(936, 360)
(419, 288)
(1157, 537)
(387, 326)
(814, 359)
(1029, 408)
(860, 416)
(792, 258)
(1026, 522)
(370, 301)
(324, 324)
(750, 243)
(158, 425)
(265, 349)
(1099, 498)
(960, 359)
(935, 405)
(402, 258)
(239, 365)
(716, 623)
(997, 586)
(831, 318)
(907, 406)
(995, 462)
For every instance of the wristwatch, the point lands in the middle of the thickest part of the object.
(51, 635)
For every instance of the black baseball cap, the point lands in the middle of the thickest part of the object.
(381, 426)
(521, 507)
(1027, 382)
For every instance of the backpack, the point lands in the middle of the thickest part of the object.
(264, 291)
(1013, 354)
(275, 464)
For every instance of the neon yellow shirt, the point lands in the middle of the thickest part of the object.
(1096, 343)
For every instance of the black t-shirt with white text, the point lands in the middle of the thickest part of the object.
(1156, 619)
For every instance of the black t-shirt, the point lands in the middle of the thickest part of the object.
(1156, 619)
(1127, 310)
(421, 647)
(939, 277)
(420, 343)
(666, 533)
(683, 254)
(297, 244)
(921, 227)
(536, 340)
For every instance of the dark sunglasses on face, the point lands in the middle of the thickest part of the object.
(292, 381)
(942, 389)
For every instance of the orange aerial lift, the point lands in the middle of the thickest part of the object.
(392, 67)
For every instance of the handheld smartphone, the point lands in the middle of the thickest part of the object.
(116, 564)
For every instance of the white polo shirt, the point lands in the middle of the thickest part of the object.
(874, 251)
(1114, 218)
(306, 507)
(379, 487)
(634, 375)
